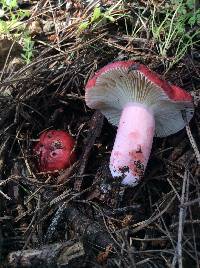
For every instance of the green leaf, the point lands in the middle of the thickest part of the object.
(21, 14)
(3, 27)
(190, 4)
(11, 3)
(182, 10)
(26, 13)
(110, 18)
(83, 26)
(198, 18)
(23, 56)
(13, 16)
(192, 20)
(96, 14)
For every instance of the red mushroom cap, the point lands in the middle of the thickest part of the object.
(122, 82)
(175, 93)
(55, 150)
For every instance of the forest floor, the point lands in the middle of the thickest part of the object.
(48, 50)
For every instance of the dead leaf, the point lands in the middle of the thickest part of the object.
(103, 256)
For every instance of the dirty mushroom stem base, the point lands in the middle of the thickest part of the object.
(133, 143)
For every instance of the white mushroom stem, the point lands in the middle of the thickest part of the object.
(133, 144)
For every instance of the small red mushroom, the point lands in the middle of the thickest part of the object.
(54, 150)
(142, 105)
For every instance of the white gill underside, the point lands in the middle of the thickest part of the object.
(115, 88)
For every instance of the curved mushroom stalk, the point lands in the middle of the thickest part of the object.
(133, 144)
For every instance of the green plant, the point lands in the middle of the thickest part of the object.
(28, 49)
(9, 4)
(98, 16)
(13, 14)
(172, 29)
(12, 22)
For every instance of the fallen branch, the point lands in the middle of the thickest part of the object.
(96, 124)
(94, 235)
(53, 255)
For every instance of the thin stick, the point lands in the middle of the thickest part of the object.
(182, 213)
(181, 222)
(5, 195)
(193, 143)
(194, 238)
(189, 203)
